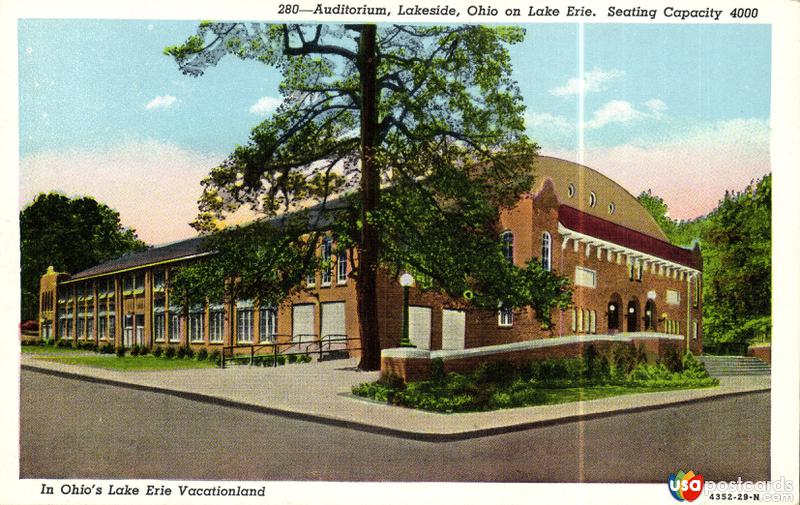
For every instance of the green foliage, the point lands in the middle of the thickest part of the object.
(215, 357)
(202, 354)
(120, 351)
(135, 350)
(671, 357)
(188, 353)
(69, 234)
(442, 121)
(158, 351)
(106, 349)
(499, 385)
(170, 352)
(736, 241)
(180, 353)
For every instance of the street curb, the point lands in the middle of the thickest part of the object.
(381, 430)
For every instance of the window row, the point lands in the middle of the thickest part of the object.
(584, 320)
(591, 200)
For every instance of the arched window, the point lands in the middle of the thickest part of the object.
(574, 320)
(593, 321)
(580, 320)
(546, 248)
(508, 245)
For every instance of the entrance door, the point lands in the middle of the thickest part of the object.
(613, 316)
(419, 326)
(303, 323)
(453, 328)
(127, 331)
(633, 316)
(333, 325)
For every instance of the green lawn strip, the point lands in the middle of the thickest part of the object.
(575, 394)
(51, 349)
(129, 362)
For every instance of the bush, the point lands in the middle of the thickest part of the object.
(202, 354)
(169, 353)
(437, 370)
(64, 343)
(189, 353)
(291, 358)
(120, 351)
(304, 358)
(106, 349)
(280, 359)
(144, 351)
(215, 357)
(180, 353)
(158, 351)
(135, 350)
(671, 357)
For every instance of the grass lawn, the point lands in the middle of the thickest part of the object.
(112, 362)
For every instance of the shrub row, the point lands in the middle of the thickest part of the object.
(281, 359)
(504, 385)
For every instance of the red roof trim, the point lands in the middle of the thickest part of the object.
(593, 226)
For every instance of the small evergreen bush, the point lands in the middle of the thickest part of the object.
(202, 354)
(158, 351)
(169, 353)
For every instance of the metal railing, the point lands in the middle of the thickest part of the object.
(299, 345)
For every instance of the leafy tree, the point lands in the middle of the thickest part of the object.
(431, 112)
(657, 208)
(69, 234)
(736, 240)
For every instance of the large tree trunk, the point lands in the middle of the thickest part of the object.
(366, 286)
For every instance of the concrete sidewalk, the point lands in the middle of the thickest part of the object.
(320, 392)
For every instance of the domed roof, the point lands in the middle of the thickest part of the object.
(591, 192)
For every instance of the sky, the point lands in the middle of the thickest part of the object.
(683, 110)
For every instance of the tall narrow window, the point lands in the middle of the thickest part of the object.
(159, 316)
(216, 323)
(327, 269)
(341, 267)
(546, 249)
(508, 245)
(268, 324)
(196, 318)
(174, 323)
(244, 321)
(506, 317)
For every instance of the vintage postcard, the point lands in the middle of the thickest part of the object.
(329, 252)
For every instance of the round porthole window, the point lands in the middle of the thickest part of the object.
(611, 208)
(571, 190)
(592, 199)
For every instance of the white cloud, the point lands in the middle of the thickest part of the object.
(622, 111)
(153, 185)
(615, 111)
(161, 102)
(593, 81)
(655, 105)
(692, 169)
(265, 105)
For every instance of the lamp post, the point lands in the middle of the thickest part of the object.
(406, 280)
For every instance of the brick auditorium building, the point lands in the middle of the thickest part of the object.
(629, 283)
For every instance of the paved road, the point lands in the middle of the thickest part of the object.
(76, 429)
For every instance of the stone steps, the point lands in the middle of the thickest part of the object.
(718, 366)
